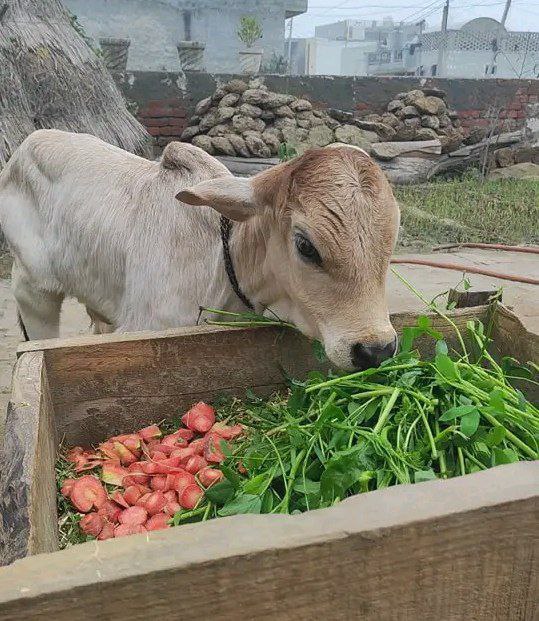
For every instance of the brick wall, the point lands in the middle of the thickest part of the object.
(166, 102)
(164, 119)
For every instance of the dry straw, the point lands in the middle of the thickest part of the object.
(51, 78)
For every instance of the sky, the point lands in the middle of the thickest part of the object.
(523, 14)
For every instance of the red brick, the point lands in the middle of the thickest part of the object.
(481, 123)
(153, 131)
(515, 105)
(469, 114)
(533, 99)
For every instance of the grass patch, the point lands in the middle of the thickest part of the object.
(468, 210)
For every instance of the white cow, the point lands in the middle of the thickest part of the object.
(311, 240)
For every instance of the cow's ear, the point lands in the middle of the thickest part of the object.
(232, 197)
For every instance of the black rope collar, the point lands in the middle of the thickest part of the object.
(226, 230)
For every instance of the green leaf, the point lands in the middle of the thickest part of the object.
(457, 412)
(296, 399)
(503, 456)
(243, 503)
(307, 487)
(341, 473)
(259, 484)
(319, 351)
(424, 475)
(446, 367)
(470, 422)
(231, 475)
(267, 502)
(423, 322)
(220, 493)
(441, 347)
(495, 436)
(495, 400)
(355, 410)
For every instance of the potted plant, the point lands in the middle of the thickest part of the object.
(115, 52)
(248, 33)
(191, 53)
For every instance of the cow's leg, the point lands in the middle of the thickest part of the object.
(99, 324)
(38, 310)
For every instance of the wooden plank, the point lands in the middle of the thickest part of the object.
(27, 483)
(466, 548)
(109, 384)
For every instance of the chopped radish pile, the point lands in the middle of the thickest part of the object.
(147, 477)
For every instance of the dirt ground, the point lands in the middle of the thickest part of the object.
(523, 298)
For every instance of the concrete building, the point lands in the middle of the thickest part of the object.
(354, 47)
(155, 27)
(481, 48)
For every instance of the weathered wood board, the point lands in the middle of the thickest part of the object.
(460, 549)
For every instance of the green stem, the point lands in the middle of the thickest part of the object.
(337, 380)
(441, 453)
(511, 436)
(386, 411)
(461, 460)
(433, 450)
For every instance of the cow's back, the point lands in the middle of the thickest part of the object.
(88, 218)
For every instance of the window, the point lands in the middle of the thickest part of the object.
(433, 69)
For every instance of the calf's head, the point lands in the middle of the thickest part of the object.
(328, 223)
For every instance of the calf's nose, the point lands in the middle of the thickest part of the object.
(367, 356)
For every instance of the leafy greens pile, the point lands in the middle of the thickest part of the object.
(408, 421)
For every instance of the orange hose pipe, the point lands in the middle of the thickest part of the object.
(528, 249)
(468, 269)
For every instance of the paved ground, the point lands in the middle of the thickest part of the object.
(523, 298)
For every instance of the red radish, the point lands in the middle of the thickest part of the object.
(141, 502)
(125, 455)
(182, 455)
(155, 503)
(212, 448)
(161, 448)
(226, 432)
(158, 482)
(133, 444)
(132, 494)
(91, 524)
(87, 492)
(241, 468)
(184, 434)
(67, 486)
(200, 418)
(144, 489)
(136, 475)
(112, 473)
(118, 497)
(150, 467)
(190, 496)
(127, 529)
(182, 480)
(148, 433)
(169, 482)
(107, 448)
(171, 495)
(174, 440)
(74, 454)
(110, 511)
(158, 522)
(197, 446)
(133, 516)
(158, 455)
(195, 463)
(208, 476)
(172, 507)
(107, 532)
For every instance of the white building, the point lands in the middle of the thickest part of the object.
(353, 47)
(481, 48)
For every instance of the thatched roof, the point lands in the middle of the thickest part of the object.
(50, 77)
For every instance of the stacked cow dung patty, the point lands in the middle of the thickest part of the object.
(248, 120)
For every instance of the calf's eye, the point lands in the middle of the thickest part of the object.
(306, 249)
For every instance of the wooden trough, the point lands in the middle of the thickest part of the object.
(459, 549)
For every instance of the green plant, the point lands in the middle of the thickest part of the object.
(286, 152)
(276, 64)
(249, 31)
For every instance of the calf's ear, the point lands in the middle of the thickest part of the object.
(232, 197)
